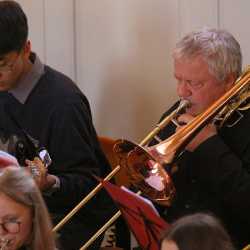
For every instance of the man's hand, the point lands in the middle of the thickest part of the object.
(40, 174)
(205, 133)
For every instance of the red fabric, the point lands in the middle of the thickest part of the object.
(145, 223)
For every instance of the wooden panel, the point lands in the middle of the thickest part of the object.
(35, 13)
(124, 62)
(52, 32)
(59, 35)
(234, 16)
(194, 14)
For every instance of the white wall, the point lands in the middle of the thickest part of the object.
(52, 32)
(123, 53)
(119, 51)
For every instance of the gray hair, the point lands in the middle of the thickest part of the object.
(19, 186)
(218, 48)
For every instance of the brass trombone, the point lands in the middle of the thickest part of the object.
(127, 148)
(155, 131)
(136, 158)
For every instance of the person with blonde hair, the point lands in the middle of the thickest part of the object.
(24, 220)
(198, 231)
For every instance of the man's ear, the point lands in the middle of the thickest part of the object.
(230, 80)
(27, 49)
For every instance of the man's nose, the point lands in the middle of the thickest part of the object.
(183, 89)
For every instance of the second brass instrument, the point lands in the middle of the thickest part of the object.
(237, 98)
(146, 165)
(145, 173)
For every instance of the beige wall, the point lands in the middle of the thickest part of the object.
(119, 51)
(52, 32)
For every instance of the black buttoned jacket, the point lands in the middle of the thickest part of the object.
(215, 177)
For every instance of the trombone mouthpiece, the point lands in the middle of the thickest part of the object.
(183, 104)
(4, 243)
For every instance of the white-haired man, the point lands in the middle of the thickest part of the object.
(213, 172)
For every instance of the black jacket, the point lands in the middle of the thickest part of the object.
(215, 178)
(57, 114)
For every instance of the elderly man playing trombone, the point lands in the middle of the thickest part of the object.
(213, 171)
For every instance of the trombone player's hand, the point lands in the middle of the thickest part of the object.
(208, 131)
(40, 173)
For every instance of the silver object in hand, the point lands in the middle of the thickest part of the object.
(34, 171)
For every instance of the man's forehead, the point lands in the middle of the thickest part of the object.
(6, 57)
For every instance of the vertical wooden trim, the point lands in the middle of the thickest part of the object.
(60, 35)
(75, 41)
(44, 32)
(218, 14)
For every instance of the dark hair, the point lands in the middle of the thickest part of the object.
(13, 27)
(199, 231)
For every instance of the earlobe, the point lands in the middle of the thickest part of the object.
(230, 80)
(27, 48)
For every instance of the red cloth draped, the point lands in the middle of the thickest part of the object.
(140, 215)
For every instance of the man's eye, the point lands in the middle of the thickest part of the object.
(12, 220)
(194, 84)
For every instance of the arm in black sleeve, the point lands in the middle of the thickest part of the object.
(72, 145)
(225, 173)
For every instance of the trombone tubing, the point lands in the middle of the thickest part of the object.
(155, 131)
(101, 230)
(157, 128)
(104, 228)
(240, 83)
(85, 200)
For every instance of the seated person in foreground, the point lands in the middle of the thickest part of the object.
(24, 219)
(197, 232)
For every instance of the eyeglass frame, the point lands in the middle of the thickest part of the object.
(192, 85)
(17, 222)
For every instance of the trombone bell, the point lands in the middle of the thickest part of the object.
(145, 173)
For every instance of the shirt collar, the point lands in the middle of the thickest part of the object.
(25, 85)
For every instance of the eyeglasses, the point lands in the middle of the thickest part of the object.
(11, 226)
(192, 85)
(8, 68)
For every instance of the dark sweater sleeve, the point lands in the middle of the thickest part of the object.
(225, 174)
(72, 147)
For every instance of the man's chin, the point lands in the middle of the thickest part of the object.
(194, 110)
(191, 111)
(3, 88)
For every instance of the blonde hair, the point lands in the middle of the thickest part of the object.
(19, 186)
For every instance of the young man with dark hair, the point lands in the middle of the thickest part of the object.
(39, 104)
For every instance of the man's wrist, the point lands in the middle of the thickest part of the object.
(54, 184)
